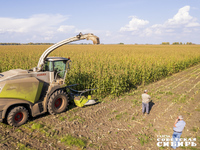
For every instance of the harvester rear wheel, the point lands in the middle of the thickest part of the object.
(17, 116)
(58, 102)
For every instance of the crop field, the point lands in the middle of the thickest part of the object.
(114, 69)
(121, 73)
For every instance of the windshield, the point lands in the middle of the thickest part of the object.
(59, 68)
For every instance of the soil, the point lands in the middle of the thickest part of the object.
(117, 123)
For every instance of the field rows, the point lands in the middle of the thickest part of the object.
(116, 122)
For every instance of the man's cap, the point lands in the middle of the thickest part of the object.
(180, 117)
(145, 91)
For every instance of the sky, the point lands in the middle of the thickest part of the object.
(113, 21)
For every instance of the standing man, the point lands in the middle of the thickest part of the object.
(145, 102)
(179, 125)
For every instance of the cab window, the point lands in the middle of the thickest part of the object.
(59, 68)
(48, 66)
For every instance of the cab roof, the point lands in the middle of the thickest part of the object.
(56, 58)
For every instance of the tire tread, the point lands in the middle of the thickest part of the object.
(13, 112)
(52, 97)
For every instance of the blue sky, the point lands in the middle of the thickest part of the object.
(114, 21)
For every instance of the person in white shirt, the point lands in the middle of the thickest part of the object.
(145, 102)
(179, 125)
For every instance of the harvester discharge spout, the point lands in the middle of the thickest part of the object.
(80, 36)
(89, 36)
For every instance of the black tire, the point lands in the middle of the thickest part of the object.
(17, 116)
(58, 102)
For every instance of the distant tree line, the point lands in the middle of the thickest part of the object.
(30, 43)
(26, 43)
(177, 43)
(10, 43)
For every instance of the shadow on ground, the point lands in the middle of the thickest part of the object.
(151, 104)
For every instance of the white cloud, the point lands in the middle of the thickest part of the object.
(193, 24)
(182, 23)
(39, 27)
(177, 24)
(182, 26)
(39, 22)
(147, 31)
(108, 33)
(134, 24)
(88, 30)
(66, 28)
(182, 18)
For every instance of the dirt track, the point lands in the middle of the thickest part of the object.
(117, 123)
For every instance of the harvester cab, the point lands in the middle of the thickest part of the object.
(58, 66)
(41, 89)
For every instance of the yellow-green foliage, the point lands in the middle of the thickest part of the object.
(112, 68)
(73, 141)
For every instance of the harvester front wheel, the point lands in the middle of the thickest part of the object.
(58, 102)
(17, 116)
